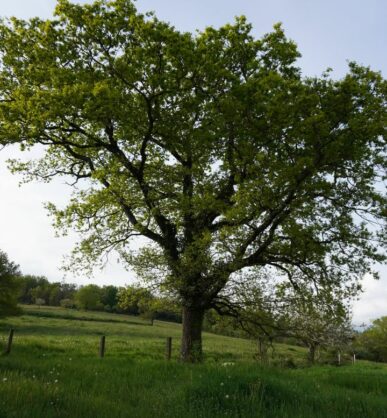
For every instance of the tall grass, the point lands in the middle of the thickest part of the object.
(54, 371)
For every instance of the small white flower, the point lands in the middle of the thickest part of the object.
(222, 384)
(33, 376)
(227, 396)
(5, 379)
(56, 381)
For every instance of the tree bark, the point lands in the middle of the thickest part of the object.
(262, 348)
(312, 353)
(191, 344)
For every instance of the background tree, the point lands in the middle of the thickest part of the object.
(68, 303)
(109, 297)
(89, 297)
(138, 300)
(32, 287)
(27, 284)
(319, 324)
(159, 308)
(134, 299)
(41, 293)
(9, 286)
(211, 146)
(371, 344)
(255, 308)
(40, 301)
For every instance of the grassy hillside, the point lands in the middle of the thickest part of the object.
(54, 371)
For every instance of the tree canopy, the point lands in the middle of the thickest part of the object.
(372, 343)
(212, 146)
(89, 297)
(9, 286)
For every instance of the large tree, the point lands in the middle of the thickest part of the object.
(9, 286)
(212, 146)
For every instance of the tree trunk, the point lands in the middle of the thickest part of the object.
(191, 344)
(262, 349)
(312, 353)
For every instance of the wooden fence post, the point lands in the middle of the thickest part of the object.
(102, 346)
(9, 343)
(354, 358)
(168, 351)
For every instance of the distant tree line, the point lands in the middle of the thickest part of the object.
(134, 300)
(317, 322)
(17, 288)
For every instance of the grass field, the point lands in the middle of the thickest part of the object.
(54, 371)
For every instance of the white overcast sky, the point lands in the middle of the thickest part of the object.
(328, 33)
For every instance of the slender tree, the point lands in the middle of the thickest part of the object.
(319, 320)
(211, 146)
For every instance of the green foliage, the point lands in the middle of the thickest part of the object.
(27, 285)
(67, 303)
(134, 299)
(9, 286)
(319, 320)
(89, 297)
(372, 343)
(109, 297)
(138, 300)
(33, 287)
(211, 146)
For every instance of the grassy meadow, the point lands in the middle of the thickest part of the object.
(54, 371)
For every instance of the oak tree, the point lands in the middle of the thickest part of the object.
(212, 146)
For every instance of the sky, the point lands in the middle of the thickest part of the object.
(329, 33)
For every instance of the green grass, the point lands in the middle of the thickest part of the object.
(54, 371)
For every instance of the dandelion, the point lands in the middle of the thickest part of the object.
(56, 381)
(5, 379)
(33, 376)
(222, 384)
(227, 396)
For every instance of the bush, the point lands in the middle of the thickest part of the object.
(67, 303)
